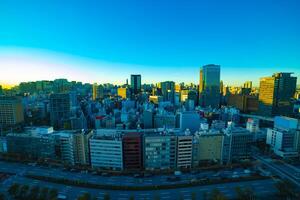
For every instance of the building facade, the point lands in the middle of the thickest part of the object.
(11, 111)
(275, 94)
(106, 151)
(209, 86)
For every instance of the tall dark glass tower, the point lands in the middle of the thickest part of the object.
(209, 86)
(136, 83)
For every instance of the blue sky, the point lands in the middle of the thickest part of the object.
(163, 40)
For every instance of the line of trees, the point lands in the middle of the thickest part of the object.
(24, 192)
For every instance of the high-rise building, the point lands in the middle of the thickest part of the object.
(168, 91)
(136, 83)
(148, 119)
(209, 86)
(159, 151)
(236, 145)
(184, 151)
(95, 91)
(106, 151)
(98, 91)
(248, 84)
(190, 120)
(284, 137)
(275, 94)
(11, 111)
(132, 151)
(207, 147)
(60, 109)
(123, 93)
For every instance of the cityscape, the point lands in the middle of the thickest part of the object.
(147, 130)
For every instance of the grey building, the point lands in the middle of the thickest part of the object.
(236, 144)
(159, 151)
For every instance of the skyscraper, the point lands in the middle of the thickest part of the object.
(136, 83)
(209, 86)
(248, 84)
(60, 109)
(95, 91)
(98, 91)
(275, 94)
(11, 111)
(168, 91)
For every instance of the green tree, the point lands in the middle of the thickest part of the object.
(216, 194)
(106, 196)
(194, 196)
(53, 194)
(34, 193)
(244, 194)
(23, 192)
(44, 193)
(286, 190)
(13, 190)
(131, 197)
(85, 196)
(2, 197)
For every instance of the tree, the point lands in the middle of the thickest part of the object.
(2, 197)
(34, 193)
(194, 196)
(131, 197)
(244, 194)
(44, 193)
(205, 195)
(106, 196)
(23, 192)
(14, 189)
(53, 194)
(286, 190)
(216, 194)
(85, 196)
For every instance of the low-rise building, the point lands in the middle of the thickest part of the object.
(207, 147)
(106, 150)
(132, 151)
(184, 150)
(32, 144)
(236, 144)
(159, 151)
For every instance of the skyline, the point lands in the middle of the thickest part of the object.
(51, 63)
(107, 41)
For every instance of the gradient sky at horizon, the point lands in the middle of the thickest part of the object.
(106, 41)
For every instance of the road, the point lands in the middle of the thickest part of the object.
(261, 187)
(283, 170)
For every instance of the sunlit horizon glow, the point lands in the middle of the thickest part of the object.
(26, 64)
